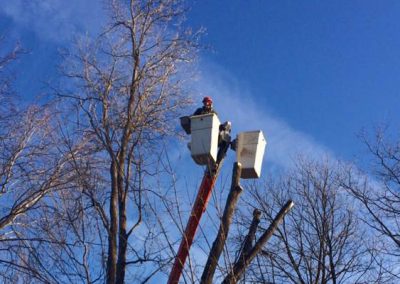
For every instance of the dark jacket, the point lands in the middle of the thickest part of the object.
(204, 110)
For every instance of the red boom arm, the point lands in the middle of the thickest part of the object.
(199, 207)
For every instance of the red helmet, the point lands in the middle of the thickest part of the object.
(207, 99)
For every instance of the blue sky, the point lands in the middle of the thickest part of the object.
(313, 71)
(310, 74)
(326, 68)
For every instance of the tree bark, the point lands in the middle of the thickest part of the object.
(248, 242)
(112, 236)
(223, 231)
(122, 235)
(241, 265)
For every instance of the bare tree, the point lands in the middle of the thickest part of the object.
(126, 90)
(121, 97)
(31, 166)
(377, 191)
(321, 240)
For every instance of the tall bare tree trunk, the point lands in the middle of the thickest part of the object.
(112, 234)
(122, 235)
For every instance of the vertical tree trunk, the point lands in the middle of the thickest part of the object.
(112, 234)
(122, 236)
(220, 240)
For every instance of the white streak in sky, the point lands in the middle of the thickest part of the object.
(55, 20)
(236, 104)
(59, 20)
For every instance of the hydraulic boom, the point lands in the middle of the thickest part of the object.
(199, 207)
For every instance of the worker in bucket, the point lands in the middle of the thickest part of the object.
(206, 108)
(224, 137)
